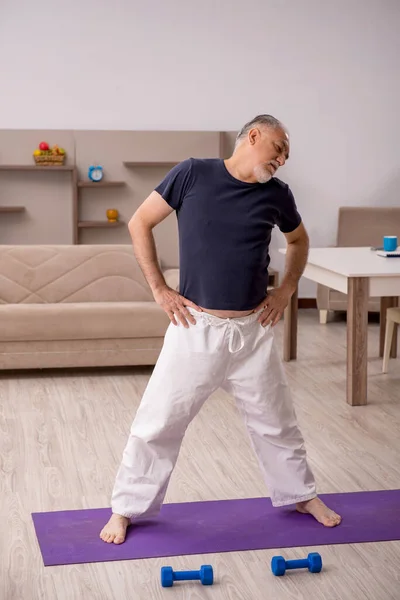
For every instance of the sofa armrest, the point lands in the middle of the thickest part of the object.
(171, 277)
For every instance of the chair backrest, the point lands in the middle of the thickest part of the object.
(366, 226)
(75, 273)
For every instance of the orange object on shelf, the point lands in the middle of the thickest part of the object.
(112, 215)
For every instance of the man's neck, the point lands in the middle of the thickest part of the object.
(239, 168)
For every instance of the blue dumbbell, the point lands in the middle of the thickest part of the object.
(313, 563)
(205, 575)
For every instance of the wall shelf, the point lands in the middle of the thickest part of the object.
(100, 184)
(36, 168)
(11, 209)
(83, 224)
(70, 169)
(87, 184)
(139, 163)
(142, 154)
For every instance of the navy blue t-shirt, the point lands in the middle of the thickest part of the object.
(224, 232)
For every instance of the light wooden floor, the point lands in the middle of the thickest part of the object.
(61, 439)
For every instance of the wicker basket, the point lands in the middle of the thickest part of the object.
(50, 160)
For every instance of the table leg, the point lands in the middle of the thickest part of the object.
(290, 329)
(386, 303)
(357, 334)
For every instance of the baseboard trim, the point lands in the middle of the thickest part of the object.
(307, 303)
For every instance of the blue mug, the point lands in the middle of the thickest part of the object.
(390, 243)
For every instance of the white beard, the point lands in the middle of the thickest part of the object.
(262, 174)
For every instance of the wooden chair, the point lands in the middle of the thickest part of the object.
(392, 319)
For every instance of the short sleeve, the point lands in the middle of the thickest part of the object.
(176, 184)
(289, 217)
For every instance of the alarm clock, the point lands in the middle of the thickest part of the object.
(95, 173)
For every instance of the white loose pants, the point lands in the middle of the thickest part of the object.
(238, 355)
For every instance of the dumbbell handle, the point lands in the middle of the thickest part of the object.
(297, 564)
(186, 575)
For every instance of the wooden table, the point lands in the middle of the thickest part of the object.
(359, 273)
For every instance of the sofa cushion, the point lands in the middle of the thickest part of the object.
(80, 273)
(82, 320)
(51, 354)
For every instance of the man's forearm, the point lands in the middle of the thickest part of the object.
(144, 248)
(296, 260)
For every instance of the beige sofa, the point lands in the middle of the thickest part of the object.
(358, 226)
(77, 306)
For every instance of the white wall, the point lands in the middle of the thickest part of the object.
(328, 70)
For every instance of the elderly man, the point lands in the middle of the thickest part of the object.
(221, 331)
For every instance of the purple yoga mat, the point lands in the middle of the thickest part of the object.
(70, 537)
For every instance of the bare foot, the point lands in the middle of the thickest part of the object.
(320, 512)
(115, 530)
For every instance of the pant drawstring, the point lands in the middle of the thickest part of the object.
(233, 327)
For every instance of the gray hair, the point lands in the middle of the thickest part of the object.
(259, 120)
